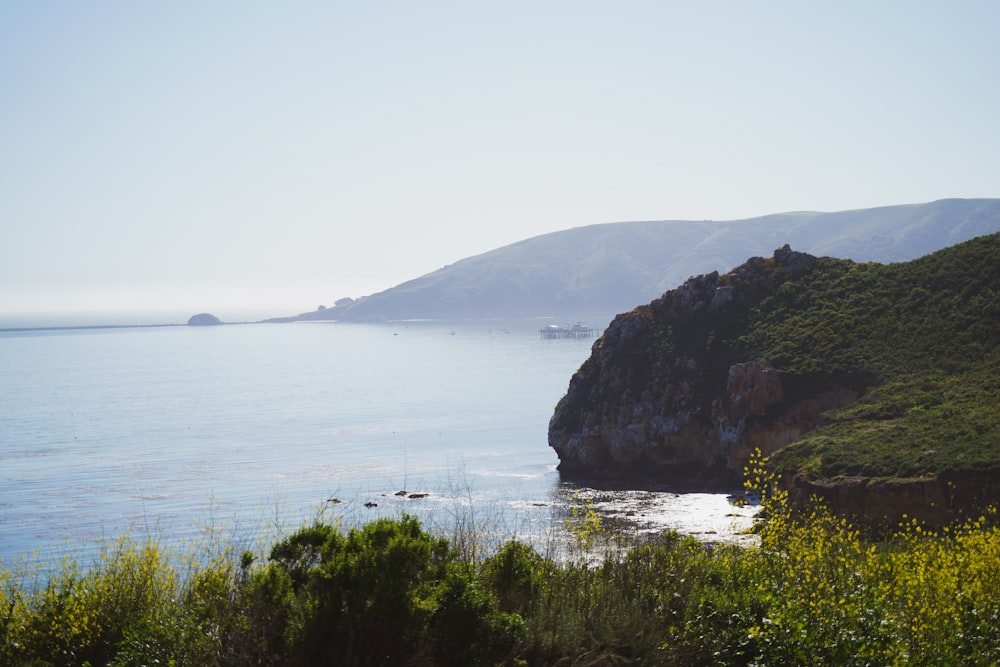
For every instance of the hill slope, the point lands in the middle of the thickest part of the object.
(608, 268)
(904, 355)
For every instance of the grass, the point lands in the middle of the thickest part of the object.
(927, 425)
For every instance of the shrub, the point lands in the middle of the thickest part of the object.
(76, 616)
(813, 591)
(386, 593)
(515, 576)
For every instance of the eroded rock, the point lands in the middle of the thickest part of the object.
(661, 398)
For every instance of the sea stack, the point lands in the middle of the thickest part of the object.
(203, 320)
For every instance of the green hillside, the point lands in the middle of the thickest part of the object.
(922, 334)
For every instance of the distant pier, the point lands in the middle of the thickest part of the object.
(566, 331)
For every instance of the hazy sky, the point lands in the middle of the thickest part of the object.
(272, 156)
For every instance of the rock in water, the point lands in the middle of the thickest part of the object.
(203, 320)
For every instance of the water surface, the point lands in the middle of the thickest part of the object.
(165, 429)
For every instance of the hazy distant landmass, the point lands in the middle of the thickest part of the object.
(606, 269)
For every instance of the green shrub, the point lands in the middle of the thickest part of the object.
(515, 576)
(815, 590)
(386, 593)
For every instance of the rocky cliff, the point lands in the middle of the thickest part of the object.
(873, 386)
(670, 394)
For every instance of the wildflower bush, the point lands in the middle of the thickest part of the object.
(811, 590)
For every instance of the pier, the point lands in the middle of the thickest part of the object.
(558, 331)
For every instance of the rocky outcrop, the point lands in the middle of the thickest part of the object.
(203, 320)
(668, 394)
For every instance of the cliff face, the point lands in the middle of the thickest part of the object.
(933, 500)
(667, 395)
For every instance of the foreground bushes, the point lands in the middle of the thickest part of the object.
(813, 592)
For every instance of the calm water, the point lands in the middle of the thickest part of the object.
(164, 430)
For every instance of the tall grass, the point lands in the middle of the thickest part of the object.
(814, 590)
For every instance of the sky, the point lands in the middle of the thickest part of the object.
(268, 157)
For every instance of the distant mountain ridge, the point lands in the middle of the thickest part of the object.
(608, 268)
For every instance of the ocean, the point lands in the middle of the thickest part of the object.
(167, 431)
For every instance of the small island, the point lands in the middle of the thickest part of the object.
(203, 320)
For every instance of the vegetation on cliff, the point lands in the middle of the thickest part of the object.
(936, 314)
(924, 335)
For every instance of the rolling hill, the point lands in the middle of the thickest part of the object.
(603, 269)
